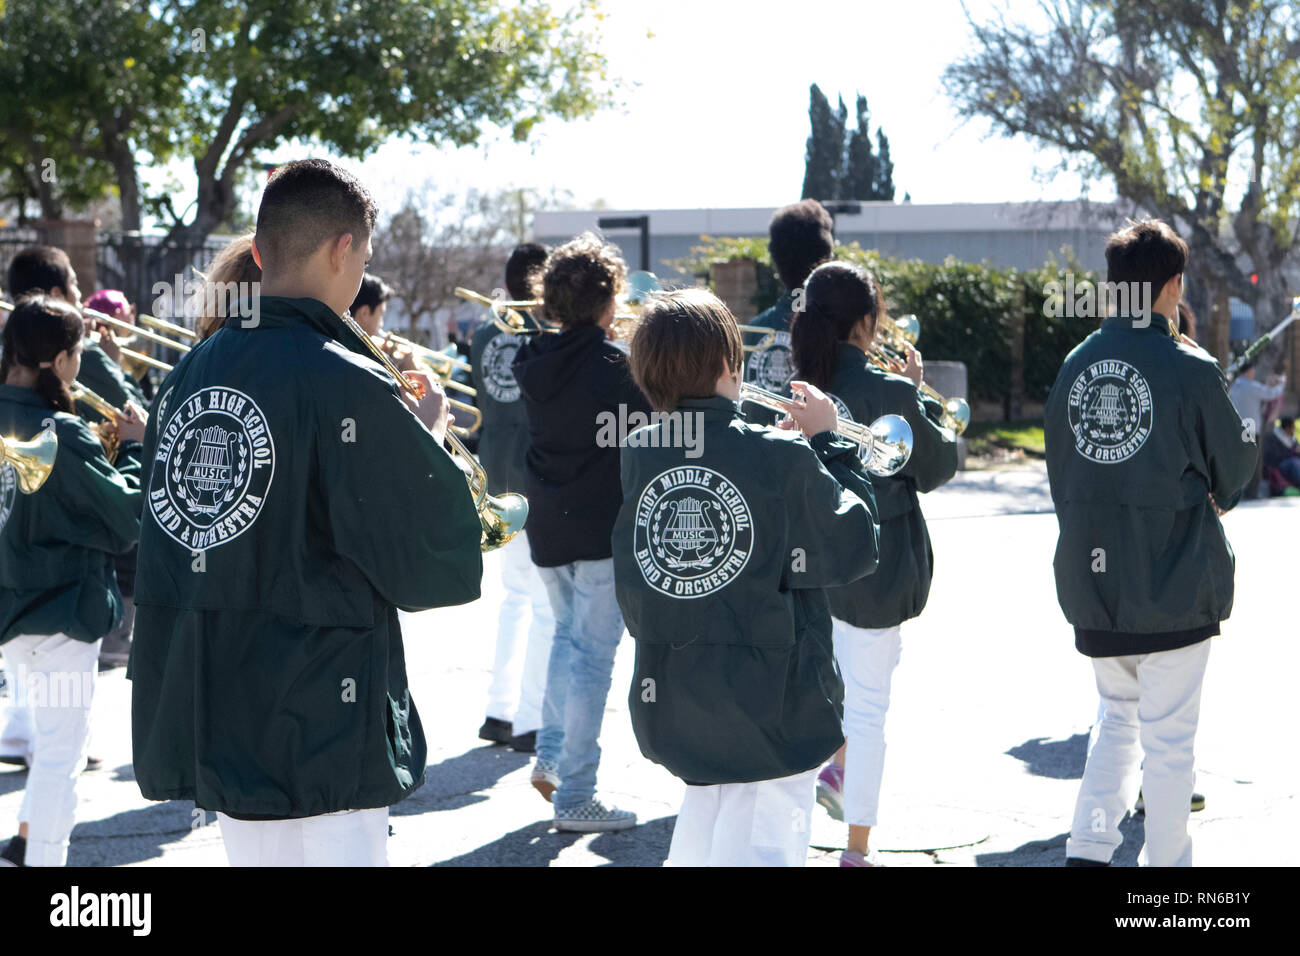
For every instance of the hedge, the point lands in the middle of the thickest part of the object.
(969, 313)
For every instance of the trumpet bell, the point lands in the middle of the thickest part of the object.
(502, 517)
(959, 414)
(32, 461)
(890, 446)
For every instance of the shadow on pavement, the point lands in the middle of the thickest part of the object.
(538, 845)
(12, 779)
(457, 781)
(1058, 759)
(1051, 852)
(132, 835)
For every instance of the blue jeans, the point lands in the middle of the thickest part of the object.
(588, 626)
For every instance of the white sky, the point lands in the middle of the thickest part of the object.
(716, 111)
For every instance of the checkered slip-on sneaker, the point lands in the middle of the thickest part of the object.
(593, 817)
(545, 778)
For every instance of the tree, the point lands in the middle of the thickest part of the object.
(215, 82)
(824, 153)
(437, 241)
(839, 164)
(1191, 108)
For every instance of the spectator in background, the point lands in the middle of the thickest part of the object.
(1281, 454)
(1249, 398)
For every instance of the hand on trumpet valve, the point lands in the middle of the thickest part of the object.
(913, 368)
(810, 411)
(432, 408)
(131, 423)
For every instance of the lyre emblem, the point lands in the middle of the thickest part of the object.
(208, 474)
(689, 533)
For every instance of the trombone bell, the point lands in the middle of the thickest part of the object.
(32, 461)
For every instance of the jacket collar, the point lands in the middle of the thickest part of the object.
(22, 396)
(278, 312)
(1159, 323)
(713, 408)
(849, 356)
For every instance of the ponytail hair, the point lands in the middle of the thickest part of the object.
(39, 329)
(836, 297)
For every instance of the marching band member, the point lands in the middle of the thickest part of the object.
(58, 590)
(571, 381)
(368, 307)
(514, 707)
(295, 502)
(233, 279)
(830, 340)
(114, 303)
(720, 561)
(799, 239)
(1143, 445)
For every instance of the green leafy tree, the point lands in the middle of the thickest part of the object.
(839, 164)
(824, 155)
(1190, 107)
(883, 185)
(860, 170)
(216, 82)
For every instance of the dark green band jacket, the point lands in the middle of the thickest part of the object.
(899, 589)
(105, 378)
(1140, 432)
(720, 561)
(293, 503)
(503, 437)
(57, 545)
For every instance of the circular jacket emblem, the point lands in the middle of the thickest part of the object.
(8, 492)
(694, 532)
(212, 469)
(1110, 411)
(772, 367)
(495, 371)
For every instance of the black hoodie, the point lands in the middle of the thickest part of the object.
(573, 486)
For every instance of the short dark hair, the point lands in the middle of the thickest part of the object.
(39, 269)
(524, 263)
(373, 291)
(1286, 421)
(800, 237)
(581, 278)
(1145, 251)
(683, 342)
(306, 204)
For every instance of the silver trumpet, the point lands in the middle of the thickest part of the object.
(884, 446)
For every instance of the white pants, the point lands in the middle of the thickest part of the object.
(54, 677)
(1151, 700)
(745, 824)
(345, 838)
(519, 671)
(867, 658)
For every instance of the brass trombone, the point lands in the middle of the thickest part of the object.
(505, 313)
(893, 336)
(501, 518)
(884, 446)
(128, 353)
(32, 461)
(443, 373)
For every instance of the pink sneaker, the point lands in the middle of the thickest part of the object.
(854, 858)
(830, 790)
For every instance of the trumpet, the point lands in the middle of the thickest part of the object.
(32, 461)
(105, 431)
(893, 337)
(441, 364)
(501, 518)
(884, 446)
(505, 312)
(128, 353)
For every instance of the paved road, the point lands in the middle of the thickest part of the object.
(988, 726)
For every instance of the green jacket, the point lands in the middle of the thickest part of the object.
(294, 503)
(104, 377)
(719, 565)
(772, 366)
(1140, 432)
(898, 591)
(57, 544)
(503, 438)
